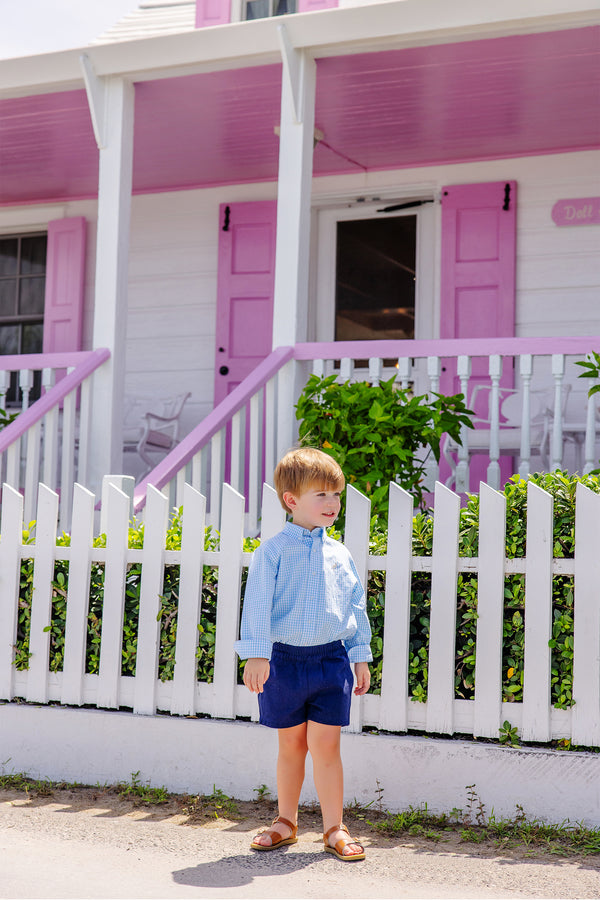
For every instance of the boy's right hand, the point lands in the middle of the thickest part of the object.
(256, 672)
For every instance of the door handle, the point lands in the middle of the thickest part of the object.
(224, 370)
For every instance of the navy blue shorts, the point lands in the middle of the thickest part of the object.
(307, 683)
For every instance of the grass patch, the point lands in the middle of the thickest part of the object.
(471, 825)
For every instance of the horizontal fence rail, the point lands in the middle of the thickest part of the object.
(531, 412)
(50, 437)
(181, 693)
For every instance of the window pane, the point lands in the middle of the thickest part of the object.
(285, 7)
(31, 299)
(9, 339)
(33, 255)
(8, 297)
(257, 9)
(8, 256)
(33, 337)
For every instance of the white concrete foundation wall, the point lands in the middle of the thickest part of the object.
(195, 755)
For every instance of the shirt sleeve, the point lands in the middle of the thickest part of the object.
(255, 632)
(359, 645)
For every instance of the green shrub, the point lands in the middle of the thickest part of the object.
(376, 433)
(560, 485)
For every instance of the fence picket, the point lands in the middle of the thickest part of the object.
(117, 527)
(224, 698)
(41, 602)
(537, 709)
(273, 513)
(183, 698)
(490, 613)
(228, 592)
(358, 518)
(393, 707)
(151, 589)
(442, 629)
(585, 722)
(11, 531)
(78, 591)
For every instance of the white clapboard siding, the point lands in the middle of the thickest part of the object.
(358, 518)
(11, 529)
(490, 613)
(189, 609)
(393, 714)
(586, 661)
(41, 603)
(442, 628)
(538, 616)
(117, 528)
(78, 591)
(228, 609)
(151, 589)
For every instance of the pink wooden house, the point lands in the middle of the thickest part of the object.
(219, 196)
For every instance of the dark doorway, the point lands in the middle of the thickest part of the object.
(375, 278)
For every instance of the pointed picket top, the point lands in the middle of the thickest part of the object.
(358, 522)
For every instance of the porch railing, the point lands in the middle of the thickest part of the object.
(49, 439)
(394, 709)
(242, 438)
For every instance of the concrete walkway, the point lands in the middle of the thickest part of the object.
(54, 848)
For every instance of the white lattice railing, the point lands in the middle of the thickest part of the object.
(50, 438)
(242, 438)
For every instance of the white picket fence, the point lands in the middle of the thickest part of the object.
(393, 710)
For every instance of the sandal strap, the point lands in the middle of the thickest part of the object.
(285, 822)
(331, 831)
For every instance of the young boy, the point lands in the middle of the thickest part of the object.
(304, 620)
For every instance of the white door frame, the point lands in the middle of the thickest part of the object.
(323, 310)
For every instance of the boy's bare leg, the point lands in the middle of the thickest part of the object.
(290, 777)
(324, 746)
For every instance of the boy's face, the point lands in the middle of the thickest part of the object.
(317, 507)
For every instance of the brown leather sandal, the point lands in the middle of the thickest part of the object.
(338, 849)
(276, 839)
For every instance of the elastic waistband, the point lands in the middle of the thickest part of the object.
(317, 650)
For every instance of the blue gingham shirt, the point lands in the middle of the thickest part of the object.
(303, 589)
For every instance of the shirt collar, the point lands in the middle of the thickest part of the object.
(300, 533)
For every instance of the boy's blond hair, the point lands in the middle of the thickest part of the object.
(304, 467)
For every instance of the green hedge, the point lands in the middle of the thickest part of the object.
(560, 485)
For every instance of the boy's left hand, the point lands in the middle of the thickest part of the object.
(363, 677)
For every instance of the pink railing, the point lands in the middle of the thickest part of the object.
(49, 440)
(241, 438)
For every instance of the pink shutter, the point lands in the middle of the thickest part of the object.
(212, 12)
(312, 5)
(478, 284)
(65, 271)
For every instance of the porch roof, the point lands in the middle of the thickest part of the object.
(454, 101)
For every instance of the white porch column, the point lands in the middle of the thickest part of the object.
(111, 104)
(293, 218)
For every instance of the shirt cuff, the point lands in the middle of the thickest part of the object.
(249, 650)
(360, 653)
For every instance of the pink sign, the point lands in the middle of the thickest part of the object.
(579, 211)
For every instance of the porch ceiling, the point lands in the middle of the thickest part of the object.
(507, 96)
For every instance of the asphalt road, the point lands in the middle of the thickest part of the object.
(58, 848)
